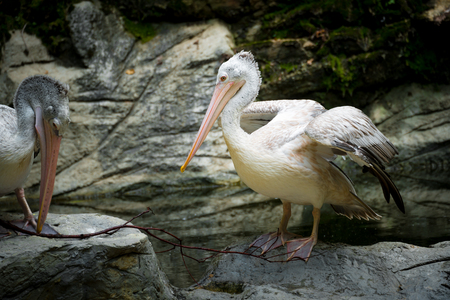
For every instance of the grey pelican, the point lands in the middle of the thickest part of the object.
(40, 116)
(285, 149)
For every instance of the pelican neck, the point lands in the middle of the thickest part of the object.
(25, 138)
(231, 123)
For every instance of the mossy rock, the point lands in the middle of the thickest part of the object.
(142, 31)
(366, 69)
(287, 51)
(393, 33)
(350, 40)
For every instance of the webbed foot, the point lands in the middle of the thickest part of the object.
(300, 248)
(272, 240)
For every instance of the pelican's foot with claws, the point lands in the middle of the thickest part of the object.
(272, 240)
(300, 248)
(30, 225)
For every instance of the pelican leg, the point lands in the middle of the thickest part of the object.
(29, 222)
(273, 240)
(28, 215)
(301, 248)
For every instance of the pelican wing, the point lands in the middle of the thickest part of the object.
(348, 130)
(279, 121)
(8, 124)
(258, 114)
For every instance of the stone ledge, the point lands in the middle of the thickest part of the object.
(118, 266)
(388, 270)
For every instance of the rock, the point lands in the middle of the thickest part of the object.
(382, 271)
(24, 49)
(136, 107)
(7, 89)
(130, 129)
(414, 117)
(118, 266)
(19, 50)
(188, 10)
(438, 12)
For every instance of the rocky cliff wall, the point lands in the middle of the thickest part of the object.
(137, 99)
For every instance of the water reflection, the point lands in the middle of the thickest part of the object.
(217, 218)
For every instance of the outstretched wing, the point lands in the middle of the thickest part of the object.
(280, 121)
(347, 129)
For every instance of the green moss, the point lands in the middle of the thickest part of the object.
(149, 11)
(350, 32)
(281, 20)
(342, 76)
(266, 67)
(288, 67)
(143, 31)
(281, 34)
(255, 44)
(362, 36)
(421, 59)
(323, 51)
(307, 26)
(301, 17)
(392, 33)
(269, 72)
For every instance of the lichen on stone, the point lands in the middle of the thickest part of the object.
(143, 31)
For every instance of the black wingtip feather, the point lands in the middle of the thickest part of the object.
(388, 186)
(381, 179)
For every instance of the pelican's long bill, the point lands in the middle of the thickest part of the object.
(223, 92)
(50, 141)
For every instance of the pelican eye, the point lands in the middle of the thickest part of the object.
(55, 123)
(223, 78)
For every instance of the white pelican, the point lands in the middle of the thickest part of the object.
(284, 149)
(42, 107)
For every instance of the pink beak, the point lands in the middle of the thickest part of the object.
(222, 94)
(50, 142)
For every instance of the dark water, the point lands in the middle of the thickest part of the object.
(222, 217)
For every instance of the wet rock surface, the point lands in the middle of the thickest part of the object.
(381, 271)
(124, 265)
(118, 266)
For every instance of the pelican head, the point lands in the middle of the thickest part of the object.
(237, 85)
(43, 101)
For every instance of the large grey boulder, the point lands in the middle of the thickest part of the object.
(381, 271)
(118, 266)
(135, 106)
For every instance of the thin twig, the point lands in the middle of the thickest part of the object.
(23, 39)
